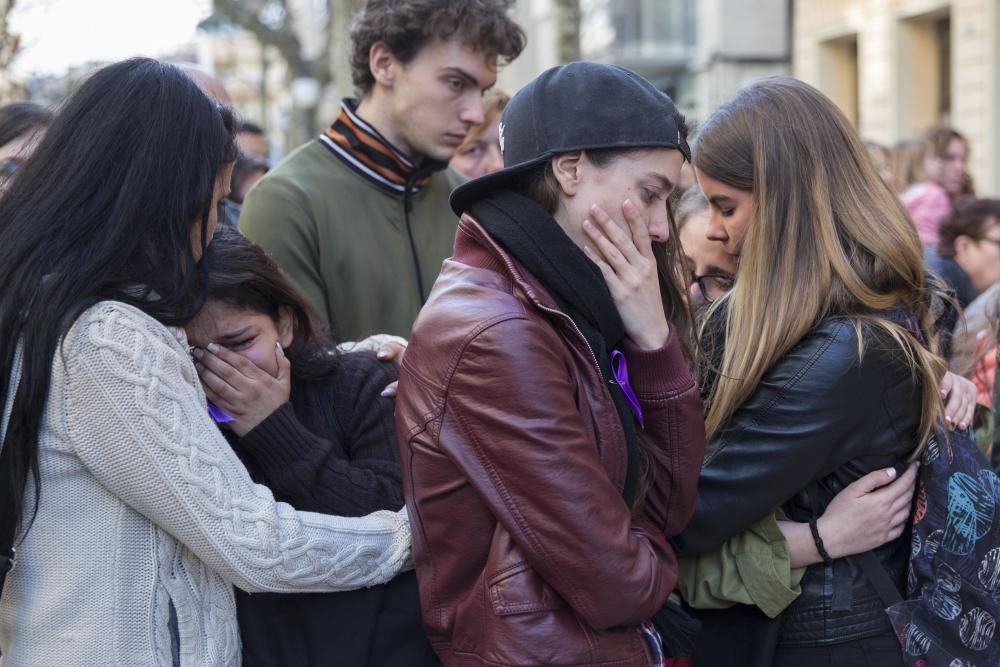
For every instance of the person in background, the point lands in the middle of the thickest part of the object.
(967, 256)
(935, 179)
(132, 517)
(22, 125)
(712, 271)
(951, 148)
(247, 170)
(317, 431)
(358, 219)
(882, 158)
(208, 82)
(251, 140)
(480, 153)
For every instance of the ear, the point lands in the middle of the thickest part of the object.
(286, 326)
(383, 64)
(962, 244)
(568, 170)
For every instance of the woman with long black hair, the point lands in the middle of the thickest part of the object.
(131, 516)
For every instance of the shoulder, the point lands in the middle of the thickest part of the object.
(116, 324)
(356, 370)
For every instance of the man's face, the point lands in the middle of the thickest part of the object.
(436, 98)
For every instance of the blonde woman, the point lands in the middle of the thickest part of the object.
(825, 372)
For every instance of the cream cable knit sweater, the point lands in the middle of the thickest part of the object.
(147, 518)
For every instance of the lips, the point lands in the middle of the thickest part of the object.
(455, 138)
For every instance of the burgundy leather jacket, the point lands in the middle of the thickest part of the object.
(513, 461)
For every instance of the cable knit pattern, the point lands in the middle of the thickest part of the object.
(145, 507)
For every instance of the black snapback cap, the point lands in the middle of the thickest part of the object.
(578, 106)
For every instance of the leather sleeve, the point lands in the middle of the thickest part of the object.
(788, 433)
(674, 433)
(512, 425)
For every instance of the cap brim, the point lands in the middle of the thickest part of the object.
(467, 193)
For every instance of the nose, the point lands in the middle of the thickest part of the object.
(716, 230)
(659, 226)
(494, 159)
(472, 109)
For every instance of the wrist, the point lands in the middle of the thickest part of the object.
(829, 538)
(652, 338)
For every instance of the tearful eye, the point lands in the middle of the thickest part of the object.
(241, 344)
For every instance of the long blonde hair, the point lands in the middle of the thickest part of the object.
(827, 237)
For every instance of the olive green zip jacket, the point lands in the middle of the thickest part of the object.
(342, 240)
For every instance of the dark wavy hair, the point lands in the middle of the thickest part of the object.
(406, 26)
(971, 217)
(242, 275)
(20, 118)
(105, 209)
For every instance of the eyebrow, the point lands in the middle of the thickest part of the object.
(235, 334)
(665, 182)
(462, 74)
(714, 270)
(719, 200)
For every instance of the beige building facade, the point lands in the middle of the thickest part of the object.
(897, 67)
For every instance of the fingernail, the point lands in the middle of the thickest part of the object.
(963, 426)
(213, 347)
(627, 204)
(947, 418)
(891, 472)
(943, 393)
(198, 352)
(382, 354)
(386, 393)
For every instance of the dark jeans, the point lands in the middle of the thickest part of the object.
(881, 651)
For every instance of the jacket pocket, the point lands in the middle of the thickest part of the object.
(518, 589)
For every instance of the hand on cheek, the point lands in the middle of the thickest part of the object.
(626, 260)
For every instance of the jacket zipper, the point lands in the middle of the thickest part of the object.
(593, 357)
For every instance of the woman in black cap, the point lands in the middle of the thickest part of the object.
(551, 432)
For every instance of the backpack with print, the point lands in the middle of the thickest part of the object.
(952, 603)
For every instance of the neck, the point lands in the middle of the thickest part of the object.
(374, 109)
(571, 222)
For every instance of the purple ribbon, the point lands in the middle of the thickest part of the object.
(218, 414)
(619, 366)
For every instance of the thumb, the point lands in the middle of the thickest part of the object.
(284, 366)
(874, 480)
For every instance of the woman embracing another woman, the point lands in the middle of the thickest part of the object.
(826, 371)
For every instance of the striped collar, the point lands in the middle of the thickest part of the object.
(363, 149)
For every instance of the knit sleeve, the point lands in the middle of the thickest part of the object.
(349, 473)
(136, 417)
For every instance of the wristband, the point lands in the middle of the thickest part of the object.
(823, 553)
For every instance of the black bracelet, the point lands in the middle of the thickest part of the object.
(823, 553)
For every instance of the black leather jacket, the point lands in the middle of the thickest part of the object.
(821, 414)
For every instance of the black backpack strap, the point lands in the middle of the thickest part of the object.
(878, 577)
(868, 562)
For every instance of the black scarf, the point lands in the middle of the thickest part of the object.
(529, 233)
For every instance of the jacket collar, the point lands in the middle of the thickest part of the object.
(362, 148)
(474, 246)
